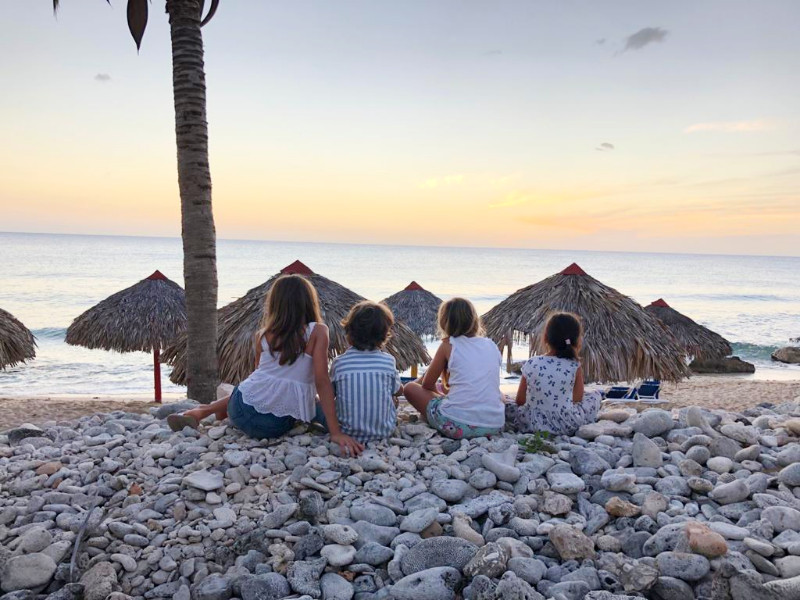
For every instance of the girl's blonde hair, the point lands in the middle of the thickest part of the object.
(458, 317)
(292, 303)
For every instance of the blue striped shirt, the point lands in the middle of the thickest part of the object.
(364, 382)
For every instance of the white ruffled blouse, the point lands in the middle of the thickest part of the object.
(282, 390)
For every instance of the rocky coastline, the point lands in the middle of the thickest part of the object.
(659, 504)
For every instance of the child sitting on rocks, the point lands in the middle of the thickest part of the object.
(291, 369)
(551, 395)
(365, 379)
(472, 404)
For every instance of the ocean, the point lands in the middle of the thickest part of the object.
(48, 280)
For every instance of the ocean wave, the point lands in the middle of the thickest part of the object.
(753, 352)
(739, 297)
(50, 333)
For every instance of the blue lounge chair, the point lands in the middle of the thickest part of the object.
(620, 393)
(649, 390)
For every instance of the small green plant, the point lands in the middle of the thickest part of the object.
(537, 443)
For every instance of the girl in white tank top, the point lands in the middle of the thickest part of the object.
(469, 364)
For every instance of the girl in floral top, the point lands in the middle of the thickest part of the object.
(551, 395)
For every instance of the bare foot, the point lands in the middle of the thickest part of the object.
(178, 422)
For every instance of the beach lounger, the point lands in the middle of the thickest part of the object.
(649, 390)
(620, 393)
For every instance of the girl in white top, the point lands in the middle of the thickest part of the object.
(291, 369)
(469, 364)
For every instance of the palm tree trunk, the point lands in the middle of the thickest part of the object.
(194, 180)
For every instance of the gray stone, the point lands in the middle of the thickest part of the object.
(208, 481)
(269, 586)
(482, 479)
(101, 580)
(790, 475)
(671, 588)
(480, 588)
(339, 534)
(419, 520)
(26, 430)
(28, 571)
(783, 518)
(373, 554)
(374, 513)
(653, 423)
(682, 565)
(512, 587)
(304, 575)
(673, 486)
(729, 493)
(531, 570)
(334, 587)
(279, 516)
(367, 532)
(565, 483)
(213, 587)
(437, 583)
(338, 555)
(570, 590)
(587, 462)
(645, 452)
(438, 552)
(449, 490)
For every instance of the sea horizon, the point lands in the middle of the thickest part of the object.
(400, 245)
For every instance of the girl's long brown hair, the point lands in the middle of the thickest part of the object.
(292, 303)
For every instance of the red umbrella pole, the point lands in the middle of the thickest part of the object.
(157, 373)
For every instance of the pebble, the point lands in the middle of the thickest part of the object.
(657, 504)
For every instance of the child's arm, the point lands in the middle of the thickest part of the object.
(522, 391)
(577, 389)
(319, 355)
(437, 367)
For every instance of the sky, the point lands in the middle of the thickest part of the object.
(619, 125)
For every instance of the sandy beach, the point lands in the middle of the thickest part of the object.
(714, 392)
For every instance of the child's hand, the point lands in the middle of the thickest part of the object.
(348, 445)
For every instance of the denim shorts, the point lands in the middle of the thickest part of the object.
(455, 429)
(255, 424)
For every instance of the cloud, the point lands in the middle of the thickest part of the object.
(444, 181)
(605, 147)
(493, 53)
(600, 42)
(102, 77)
(730, 126)
(644, 37)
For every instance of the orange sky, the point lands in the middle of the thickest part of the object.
(522, 126)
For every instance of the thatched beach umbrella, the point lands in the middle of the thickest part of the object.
(239, 321)
(418, 308)
(621, 342)
(16, 341)
(142, 318)
(699, 342)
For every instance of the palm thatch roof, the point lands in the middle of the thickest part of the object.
(140, 318)
(622, 341)
(16, 341)
(699, 342)
(416, 307)
(239, 321)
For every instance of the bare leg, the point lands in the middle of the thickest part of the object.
(418, 397)
(218, 409)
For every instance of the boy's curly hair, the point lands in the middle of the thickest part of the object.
(368, 325)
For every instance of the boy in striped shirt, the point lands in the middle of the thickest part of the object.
(365, 379)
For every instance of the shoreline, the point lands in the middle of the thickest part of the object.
(713, 392)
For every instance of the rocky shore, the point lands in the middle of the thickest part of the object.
(672, 506)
